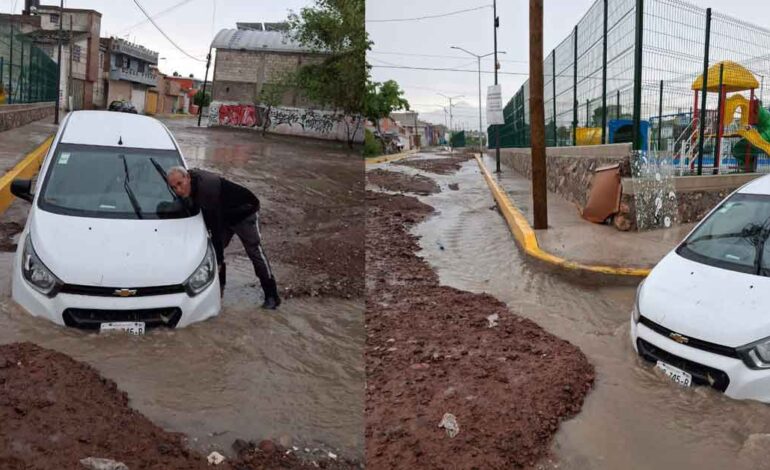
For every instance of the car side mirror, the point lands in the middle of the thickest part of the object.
(22, 189)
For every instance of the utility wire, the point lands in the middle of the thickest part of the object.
(166, 35)
(393, 20)
(456, 57)
(156, 15)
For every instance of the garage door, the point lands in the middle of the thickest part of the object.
(138, 95)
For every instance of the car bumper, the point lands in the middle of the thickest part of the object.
(742, 382)
(193, 309)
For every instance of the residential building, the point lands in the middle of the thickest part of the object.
(130, 70)
(248, 59)
(80, 69)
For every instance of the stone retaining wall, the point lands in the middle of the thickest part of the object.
(570, 174)
(17, 115)
(570, 169)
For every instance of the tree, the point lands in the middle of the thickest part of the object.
(382, 99)
(271, 95)
(192, 75)
(336, 29)
(200, 100)
(176, 74)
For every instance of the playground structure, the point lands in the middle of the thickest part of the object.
(618, 131)
(730, 143)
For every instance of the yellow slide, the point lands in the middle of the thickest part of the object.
(755, 139)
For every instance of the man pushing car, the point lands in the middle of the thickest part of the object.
(228, 209)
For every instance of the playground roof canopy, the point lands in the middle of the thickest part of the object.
(735, 77)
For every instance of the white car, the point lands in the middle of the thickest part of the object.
(107, 244)
(703, 314)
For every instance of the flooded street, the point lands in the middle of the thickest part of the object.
(634, 418)
(294, 375)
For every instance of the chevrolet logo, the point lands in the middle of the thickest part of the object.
(125, 292)
(679, 338)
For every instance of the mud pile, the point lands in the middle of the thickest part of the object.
(433, 350)
(400, 182)
(56, 411)
(440, 166)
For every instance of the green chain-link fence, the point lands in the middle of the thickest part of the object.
(27, 74)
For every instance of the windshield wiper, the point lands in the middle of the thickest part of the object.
(129, 191)
(750, 232)
(163, 175)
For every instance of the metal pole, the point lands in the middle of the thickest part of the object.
(416, 132)
(205, 82)
(637, 116)
(10, 70)
(553, 98)
(537, 114)
(70, 94)
(604, 78)
(588, 113)
(58, 61)
(20, 88)
(481, 149)
(704, 91)
(617, 105)
(574, 90)
(497, 126)
(660, 115)
(1, 71)
(720, 120)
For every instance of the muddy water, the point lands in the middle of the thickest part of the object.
(248, 374)
(634, 418)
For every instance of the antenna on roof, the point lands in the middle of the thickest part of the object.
(120, 140)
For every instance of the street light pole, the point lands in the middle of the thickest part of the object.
(450, 98)
(58, 74)
(478, 58)
(497, 126)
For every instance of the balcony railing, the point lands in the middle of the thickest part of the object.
(134, 76)
(135, 50)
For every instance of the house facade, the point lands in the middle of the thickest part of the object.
(130, 71)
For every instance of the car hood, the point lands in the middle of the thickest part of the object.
(117, 252)
(708, 303)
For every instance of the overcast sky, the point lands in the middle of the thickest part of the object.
(192, 26)
(473, 31)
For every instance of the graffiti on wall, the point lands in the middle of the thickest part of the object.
(294, 121)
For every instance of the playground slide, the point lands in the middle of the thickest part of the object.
(757, 136)
(755, 139)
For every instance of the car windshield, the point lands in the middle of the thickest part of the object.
(733, 237)
(110, 182)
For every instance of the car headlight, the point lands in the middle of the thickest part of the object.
(36, 273)
(636, 313)
(203, 275)
(756, 355)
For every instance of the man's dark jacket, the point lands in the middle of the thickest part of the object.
(222, 202)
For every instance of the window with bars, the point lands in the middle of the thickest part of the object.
(76, 52)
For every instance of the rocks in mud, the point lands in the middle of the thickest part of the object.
(94, 463)
(454, 186)
(449, 423)
(215, 458)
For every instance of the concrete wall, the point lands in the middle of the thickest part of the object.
(16, 115)
(118, 90)
(290, 121)
(570, 169)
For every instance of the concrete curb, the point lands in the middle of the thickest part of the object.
(389, 158)
(527, 240)
(27, 168)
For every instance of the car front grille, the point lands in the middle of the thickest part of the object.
(692, 342)
(98, 291)
(91, 319)
(701, 375)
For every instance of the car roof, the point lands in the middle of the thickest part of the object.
(107, 128)
(760, 185)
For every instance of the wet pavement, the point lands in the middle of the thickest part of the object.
(295, 375)
(573, 238)
(634, 418)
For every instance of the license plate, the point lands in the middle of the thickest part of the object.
(677, 375)
(130, 327)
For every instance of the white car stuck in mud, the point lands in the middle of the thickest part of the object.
(703, 314)
(107, 245)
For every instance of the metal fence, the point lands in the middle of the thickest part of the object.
(27, 74)
(590, 84)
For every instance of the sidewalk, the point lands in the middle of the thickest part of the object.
(16, 143)
(571, 237)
